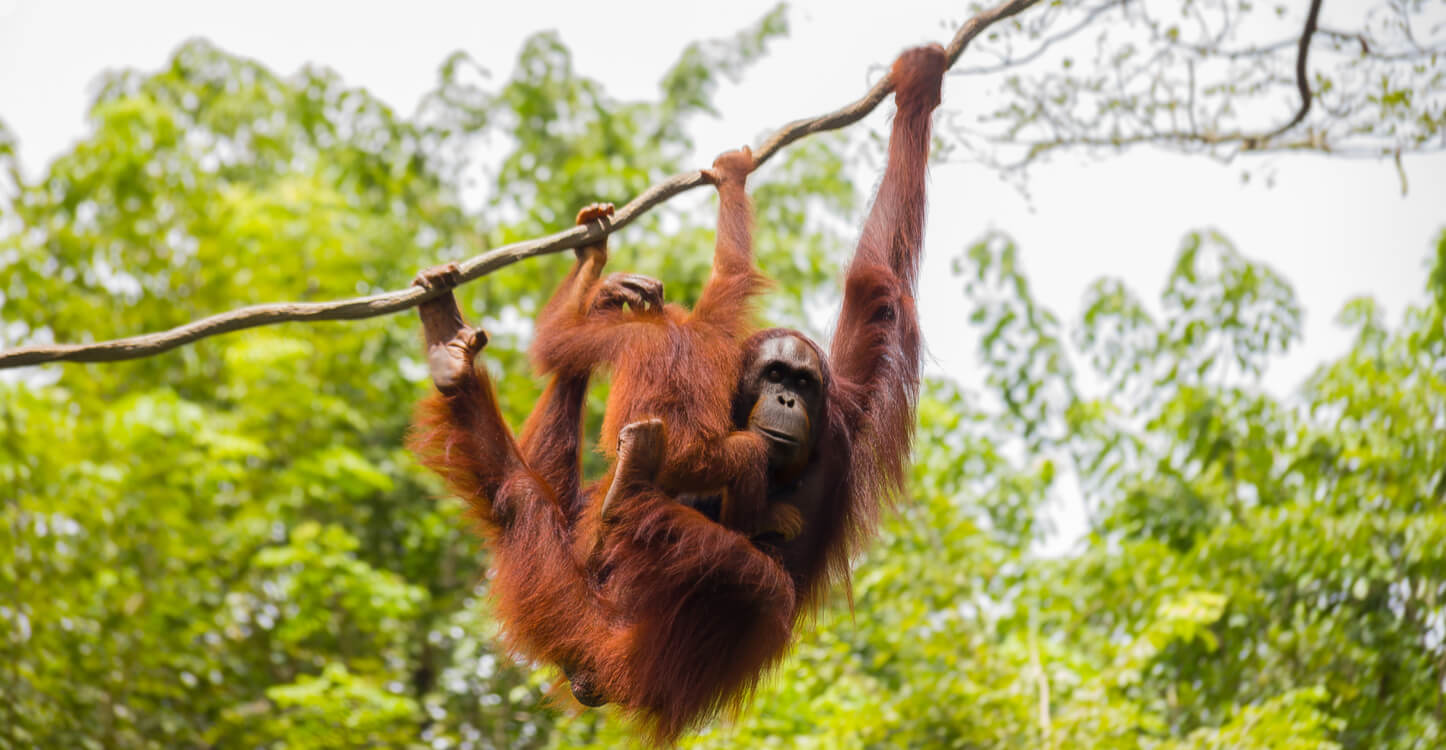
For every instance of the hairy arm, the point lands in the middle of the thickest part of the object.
(876, 345)
(584, 325)
(737, 462)
(734, 281)
(552, 436)
(552, 440)
(459, 430)
(580, 327)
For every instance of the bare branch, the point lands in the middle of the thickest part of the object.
(1203, 78)
(1302, 76)
(1044, 46)
(1141, 129)
(476, 267)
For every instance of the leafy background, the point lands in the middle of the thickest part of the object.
(226, 546)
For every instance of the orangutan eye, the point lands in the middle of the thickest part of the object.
(774, 373)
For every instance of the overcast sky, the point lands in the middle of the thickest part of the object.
(1334, 228)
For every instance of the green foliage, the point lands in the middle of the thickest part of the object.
(226, 546)
(1256, 572)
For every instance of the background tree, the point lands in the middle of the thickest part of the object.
(1215, 77)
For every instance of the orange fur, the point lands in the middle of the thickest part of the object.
(685, 615)
(677, 365)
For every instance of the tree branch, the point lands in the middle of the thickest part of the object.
(478, 266)
(1208, 139)
(1302, 76)
(1044, 46)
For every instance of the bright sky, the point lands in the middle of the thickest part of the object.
(1334, 228)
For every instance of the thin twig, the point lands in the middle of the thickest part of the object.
(1247, 141)
(478, 266)
(1044, 46)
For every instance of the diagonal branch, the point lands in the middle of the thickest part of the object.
(478, 266)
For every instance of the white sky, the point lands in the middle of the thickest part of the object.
(1334, 228)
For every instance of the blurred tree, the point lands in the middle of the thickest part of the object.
(1210, 77)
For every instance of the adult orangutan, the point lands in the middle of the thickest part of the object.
(661, 610)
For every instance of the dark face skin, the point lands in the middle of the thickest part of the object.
(784, 385)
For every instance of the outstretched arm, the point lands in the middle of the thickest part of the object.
(583, 325)
(875, 349)
(460, 432)
(579, 324)
(734, 281)
(575, 293)
(552, 436)
(893, 235)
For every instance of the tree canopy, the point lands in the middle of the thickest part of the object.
(227, 546)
